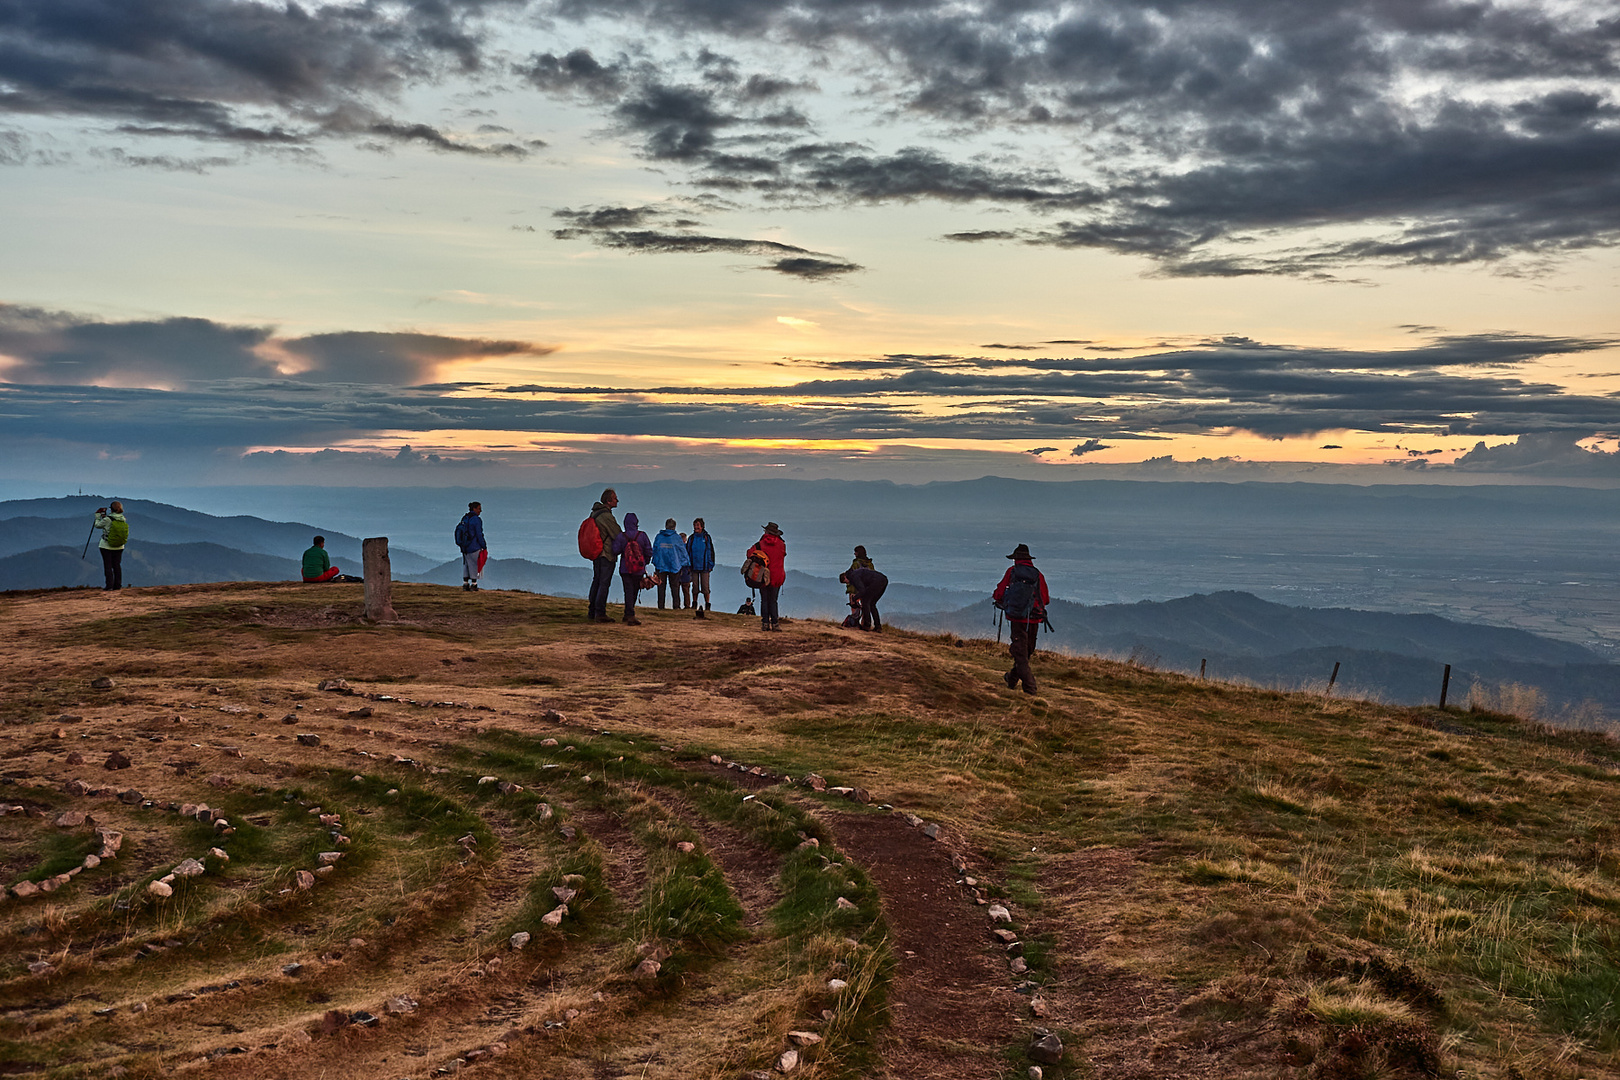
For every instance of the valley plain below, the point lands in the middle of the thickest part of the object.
(1132, 873)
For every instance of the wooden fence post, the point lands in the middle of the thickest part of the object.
(1201, 664)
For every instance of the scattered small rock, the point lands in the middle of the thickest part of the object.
(648, 969)
(189, 868)
(309, 740)
(931, 831)
(846, 904)
(554, 917)
(1019, 966)
(75, 758)
(686, 847)
(836, 985)
(70, 819)
(338, 685)
(788, 1061)
(116, 760)
(398, 1006)
(803, 1038)
(1048, 1050)
(518, 940)
(303, 879)
(292, 970)
(159, 889)
(998, 913)
(40, 967)
(102, 683)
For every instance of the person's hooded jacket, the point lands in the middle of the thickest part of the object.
(775, 549)
(632, 534)
(700, 551)
(669, 555)
(475, 532)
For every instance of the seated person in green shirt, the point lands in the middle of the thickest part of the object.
(318, 565)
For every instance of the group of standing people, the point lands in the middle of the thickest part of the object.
(680, 564)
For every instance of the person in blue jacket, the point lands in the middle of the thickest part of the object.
(632, 564)
(700, 555)
(474, 552)
(669, 558)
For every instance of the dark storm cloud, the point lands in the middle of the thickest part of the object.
(619, 228)
(237, 71)
(63, 349)
(1225, 137)
(394, 359)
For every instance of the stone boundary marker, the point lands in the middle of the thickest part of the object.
(379, 580)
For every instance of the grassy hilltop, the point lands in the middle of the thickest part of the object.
(1202, 880)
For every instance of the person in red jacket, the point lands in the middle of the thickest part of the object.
(1023, 597)
(775, 549)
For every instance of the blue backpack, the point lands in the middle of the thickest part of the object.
(463, 534)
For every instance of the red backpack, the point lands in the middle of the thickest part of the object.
(590, 539)
(635, 560)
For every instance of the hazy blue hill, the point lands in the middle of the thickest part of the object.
(147, 564)
(28, 524)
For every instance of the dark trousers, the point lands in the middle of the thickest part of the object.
(672, 583)
(601, 583)
(767, 604)
(866, 603)
(632, 586)
(112, 564)
(1022, 647)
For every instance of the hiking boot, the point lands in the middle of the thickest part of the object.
(1011, 679)
(466, 586)
(699, 614)
(1029, 687)
(605, 618)
(630, 621)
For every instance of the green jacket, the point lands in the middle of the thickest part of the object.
(114, 531)
(602, 514)
(316, 562)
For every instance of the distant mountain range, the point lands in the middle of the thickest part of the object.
(1231, 635)
(1235, 635)
(27, 525)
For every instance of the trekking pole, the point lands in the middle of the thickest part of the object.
(85, 554)
(998, 626)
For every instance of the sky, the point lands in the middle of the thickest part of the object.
(534, 242)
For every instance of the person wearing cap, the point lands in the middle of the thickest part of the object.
(775, 549)
(1022, 595)
(669, 557)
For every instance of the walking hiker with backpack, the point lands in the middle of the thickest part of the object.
(114, 529)
(669, 558)
(633, 549)
(700, 553)
(1022, 597)
(773, 549)
(597, 534)
(474, 552)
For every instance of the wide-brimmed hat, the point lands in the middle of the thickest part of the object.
(1021, 552)
(773, 528)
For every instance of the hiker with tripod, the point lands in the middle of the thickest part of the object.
(1022, 598)
(114, 535)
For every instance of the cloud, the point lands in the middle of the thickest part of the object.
(65, 349)
(1231, 138)
(239, 71)
(1089, 446)
(1545, 453)
(619, 228)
